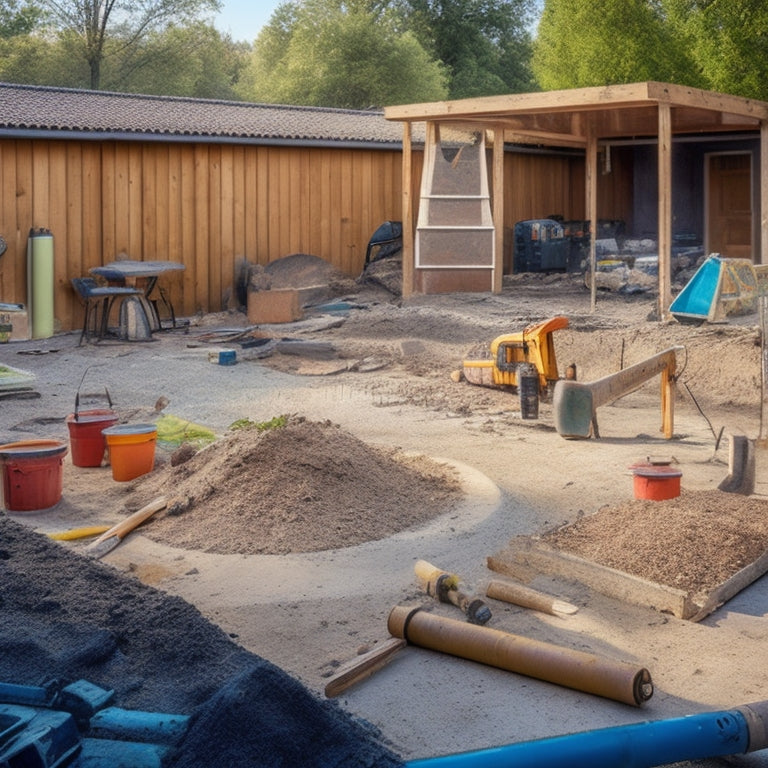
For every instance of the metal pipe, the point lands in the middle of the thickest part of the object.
(574, 669)
(638, 745)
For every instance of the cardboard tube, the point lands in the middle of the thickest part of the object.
(544, 661)
(527, 598)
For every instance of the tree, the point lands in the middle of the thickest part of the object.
(334, 54)
(598, 42)
(96, 24)
(728, 40)
(195, 60)
(18, 18)
(486, 44)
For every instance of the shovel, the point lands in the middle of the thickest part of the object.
(112, 537)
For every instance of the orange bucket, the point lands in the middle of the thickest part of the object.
(656, 482)
(131, 449)
(32, 474)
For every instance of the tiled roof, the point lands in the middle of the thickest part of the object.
(28, 109)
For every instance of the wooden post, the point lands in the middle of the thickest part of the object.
(407, 213)
(498, 208)
(591, 197)
(668, 389)
(763, 193)
(665, 210)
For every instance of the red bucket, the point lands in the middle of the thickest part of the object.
(32, 474)
(657, 483)
(85, 435)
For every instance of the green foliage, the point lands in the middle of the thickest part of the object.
(104, 28)
(196, 60)
(729, 41)
(598, 42)
(485, 44)
(260, 426)
(324, 54)
(18, 18)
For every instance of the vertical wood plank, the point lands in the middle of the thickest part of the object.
(225, 271)
(763, 255)
(665, 210)
(408, 212)
(263, 209)
(212, 297)
(201, 252)
(188, 227)
(135, 210)
(151, 227)
(590, 194)
(498, 208)
(109, 183)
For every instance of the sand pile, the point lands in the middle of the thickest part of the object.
(299, 486)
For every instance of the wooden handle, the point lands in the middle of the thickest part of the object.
(429, 574)
(363, 666)
(527, 597)
(130, 522)
(79, 533)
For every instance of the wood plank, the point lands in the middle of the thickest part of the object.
(109, 179)
(226, 244)
(199, 287)
(498, 208)
(524, 557)
(134, 242)
(238, 205)
(185, 302)
(665, 210)
(762, 257)
(69, 311)
(409, 211)
(263, 210)
(151, 237)
(213, 299)
(590, 194)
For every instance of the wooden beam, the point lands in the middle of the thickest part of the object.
(498, 208)
(665, 210)
(763, 259)
(407, 213)
(632, 94)
(683, 96)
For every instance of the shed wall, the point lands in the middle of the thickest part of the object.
(207, 206)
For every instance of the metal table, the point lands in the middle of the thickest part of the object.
(144, 275)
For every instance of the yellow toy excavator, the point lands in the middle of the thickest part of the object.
(534, 346)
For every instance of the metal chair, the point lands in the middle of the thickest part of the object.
(98, 300)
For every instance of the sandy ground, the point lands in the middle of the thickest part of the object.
(308, 612)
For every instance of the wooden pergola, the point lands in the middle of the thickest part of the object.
(584, 118)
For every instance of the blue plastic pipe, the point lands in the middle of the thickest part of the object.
(638, 745)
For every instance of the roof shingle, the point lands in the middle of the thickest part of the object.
(25, 108)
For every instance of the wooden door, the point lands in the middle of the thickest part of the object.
(729, 213)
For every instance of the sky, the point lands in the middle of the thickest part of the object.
(244, 18)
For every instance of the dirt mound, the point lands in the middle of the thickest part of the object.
(300, 487)
(66, 617)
